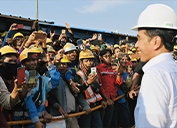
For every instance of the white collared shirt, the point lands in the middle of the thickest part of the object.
(157, 101)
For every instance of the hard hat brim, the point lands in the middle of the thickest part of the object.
(149, 26)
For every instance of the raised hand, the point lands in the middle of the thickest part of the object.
(13, 27)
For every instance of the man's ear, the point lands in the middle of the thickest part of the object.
(101, 58)
(157, 42)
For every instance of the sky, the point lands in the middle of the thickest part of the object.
(105, 15)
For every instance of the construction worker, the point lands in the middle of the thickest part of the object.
(36, 98)
(10, 95)
(51, 52)
(91, 89)
(156, 105)
(96, 54)
(3, 35)
(10, 34)
(116, 51)
(61, 99)
(109, 81)
(18, 39)
(73, 66)
(49, 42)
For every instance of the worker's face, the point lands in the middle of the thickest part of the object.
(30, 64)
(71, 55)
(123, 61)
(107, 58)
(134, 64)
(19, 40)
(63, 67)
(117, 51)
(144, 46)
(88, 63)
(51, 56)
(12, 59)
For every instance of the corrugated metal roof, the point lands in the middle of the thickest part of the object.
(87, 29)
(23, 18)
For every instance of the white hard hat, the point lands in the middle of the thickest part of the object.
(69, 47)
(157, 16)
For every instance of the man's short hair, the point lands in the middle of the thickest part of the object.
(167, 36)
(104, 51)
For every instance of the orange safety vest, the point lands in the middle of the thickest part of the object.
(91, 96)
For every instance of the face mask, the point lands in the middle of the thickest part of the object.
(8, 70)
(41, 68)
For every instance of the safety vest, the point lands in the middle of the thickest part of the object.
(91, 96)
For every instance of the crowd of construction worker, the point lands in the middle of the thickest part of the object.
(69, 77)
(41, 78)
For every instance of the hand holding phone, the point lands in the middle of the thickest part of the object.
(63, 31)
(21, 75)
(41, 36)
(93, 70)
(20, 26)
(32, 77)
(100, 36)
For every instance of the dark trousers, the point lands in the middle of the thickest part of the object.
(106, 115)
(121, 115)
(92, 120)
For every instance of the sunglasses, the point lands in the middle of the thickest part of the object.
(19, 38)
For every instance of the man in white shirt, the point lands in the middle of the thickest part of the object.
(157, 100)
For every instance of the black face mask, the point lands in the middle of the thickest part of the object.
(8, 70)
(41, 68)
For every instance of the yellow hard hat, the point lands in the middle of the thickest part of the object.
(4, 34)
(86, 54)
(130, 52)
(108, 46)
(64, 59)
(69, 47)
(36, 48)
(133, 60)
(113, 56)
(83, 41)
(173, 54)
(18, 34)
(24, 54)
(50, 49)
(7, 49)
(175, 47)
(123, 46)
(93, 48)
(116, 46)
(49, 41)
(40, 31)
(134, 49)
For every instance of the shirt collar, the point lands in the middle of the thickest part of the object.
(105, 66)
(160, 58)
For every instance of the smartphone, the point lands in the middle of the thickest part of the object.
(79, 42)
(40, 36)
(63, 31)
(33, 55)
(21, 75)
(20, 26)
(99, 35)
(93, 70)
(32, 76)
(116, 61)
